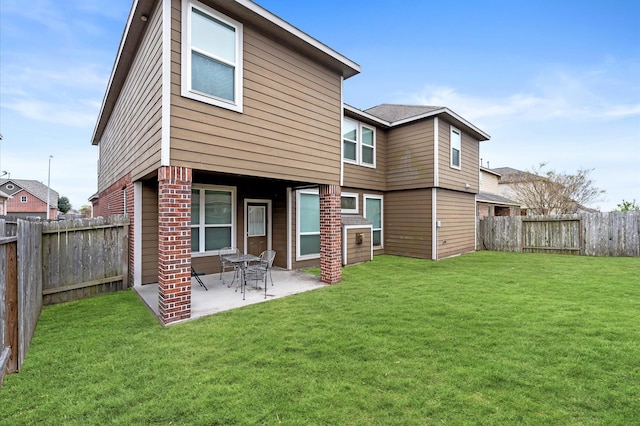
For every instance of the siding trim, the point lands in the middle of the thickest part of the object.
(345, 250)
(341, 131)
(137, 233)
(165, 139)
(434, 225)
(289, 225)
(436, 160)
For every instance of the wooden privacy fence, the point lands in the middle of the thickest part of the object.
(589, 234)
(51, 262)
(84, 257)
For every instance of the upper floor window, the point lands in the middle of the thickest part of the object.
(211, 56)
(456, 142)
(23, 199)
(358, 143)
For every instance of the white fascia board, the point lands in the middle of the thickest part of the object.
(114, 68)
(259, 10)
(363, 114)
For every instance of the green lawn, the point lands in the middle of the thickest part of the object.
(486, 338)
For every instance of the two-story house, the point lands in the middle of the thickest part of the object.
(224, 126)
(489, 201)
(28, 198)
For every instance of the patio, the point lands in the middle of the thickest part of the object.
(219, 297)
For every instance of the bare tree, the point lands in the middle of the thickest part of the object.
(548, 192)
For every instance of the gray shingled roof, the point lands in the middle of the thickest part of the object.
(394, 112)
(511, 175)
(351, 220)
(485, 197)
(35, 188)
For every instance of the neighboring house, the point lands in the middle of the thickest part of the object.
(3, 203)
(223, 125)
(28, 198)
(512, 177)
(489, 202)
(508, 178)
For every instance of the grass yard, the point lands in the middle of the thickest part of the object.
(486, 338)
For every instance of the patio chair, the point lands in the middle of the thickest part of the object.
(259, 271)
(196, 275)
(228, 266)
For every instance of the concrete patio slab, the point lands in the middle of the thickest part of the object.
(218, 297)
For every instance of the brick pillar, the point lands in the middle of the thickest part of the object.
(174, 243)
(330, 234)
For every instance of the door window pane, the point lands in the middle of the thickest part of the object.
(257, 221)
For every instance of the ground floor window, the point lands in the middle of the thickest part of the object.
(212, 218)
(307, 224)
(373, 213)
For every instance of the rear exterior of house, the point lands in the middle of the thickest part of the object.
(224, 126)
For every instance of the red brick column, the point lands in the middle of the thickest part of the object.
(174, 243)
(330, 234)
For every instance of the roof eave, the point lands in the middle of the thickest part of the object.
(135, 27)
(482, 136)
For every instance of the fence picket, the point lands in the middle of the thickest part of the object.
(590, 234)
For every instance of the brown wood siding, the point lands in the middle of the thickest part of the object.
(469, 172)
(367, 177)
(358, 253)
(410, 156)
(407, 223)
(457, 212)
(131, 140)
(290, 127)
(149, 241)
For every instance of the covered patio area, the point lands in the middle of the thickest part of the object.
(218, 297)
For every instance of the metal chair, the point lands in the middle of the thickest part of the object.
(225, 265)
(196, 275)
(259, 271)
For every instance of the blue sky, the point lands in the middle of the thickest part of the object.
(550, 81)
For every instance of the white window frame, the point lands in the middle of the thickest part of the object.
(23, 199)
(381, 229)
(359, 145)
(201, 225)
(349, 195)
(455, 146)
(186, 90)
(298, 233)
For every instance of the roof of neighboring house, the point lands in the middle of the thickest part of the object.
(35, 188)
(485, 197)
(391, 115)
(247, 11)
(511, 175)
(490, 171)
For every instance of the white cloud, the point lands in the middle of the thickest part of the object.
(554, 95)
(80, 114)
